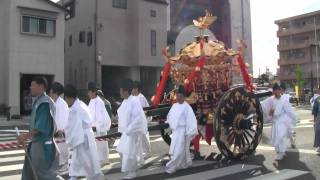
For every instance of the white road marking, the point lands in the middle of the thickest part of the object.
(282, 174)
(11, 152)
(217, 173)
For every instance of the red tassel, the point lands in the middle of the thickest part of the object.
(196, 72)
(196, 143)
(209, 133)
(244, 72)
(162, 84)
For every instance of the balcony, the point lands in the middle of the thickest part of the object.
(292, 45)
(292, 30)
(283, 62)
(286, 77)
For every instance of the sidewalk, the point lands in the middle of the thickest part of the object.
(24, 122)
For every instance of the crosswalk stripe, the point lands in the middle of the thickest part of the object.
(7, 135)
(11, 167)
(154, 170)
(3, 153)
(10, 159)
(19, 166)
(13, 177)
(8, 138)
(259, 147)
(297, 126)
(6, 168)
(117, 165)
(282, 174)
(217, 173)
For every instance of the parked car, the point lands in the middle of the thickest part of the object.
(293, 97)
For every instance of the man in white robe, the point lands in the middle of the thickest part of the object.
(101, 121)
(280, 112)
(132, 124)
(183, 123)
(136, 92)
(292, 132)
(61, 120)
(80, 138)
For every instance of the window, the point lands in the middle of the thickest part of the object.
(153, 13)
(296, 54)
(38, 26)
(89, 38)
(153, 43)
(82, 36)
(122, 4)
(71, 12)
(70, 40)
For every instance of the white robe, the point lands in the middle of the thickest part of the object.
(183, 123)
(102, 122)
(282, 121)
(145, 139)
(132, 125)
(61, 120)
(143, 100)
(80, 138)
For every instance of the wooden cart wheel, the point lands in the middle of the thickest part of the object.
(166, 132)
(239, 123)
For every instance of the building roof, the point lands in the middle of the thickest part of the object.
(55, 4)
(314, 13)
(164, 2)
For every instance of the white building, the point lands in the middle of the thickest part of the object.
(107, 40)
(31, 43)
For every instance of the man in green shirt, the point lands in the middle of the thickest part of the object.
(43, 162)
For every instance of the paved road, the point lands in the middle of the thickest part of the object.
(300, 163)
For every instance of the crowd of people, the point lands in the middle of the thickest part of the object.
(70, 119)
(78, 124)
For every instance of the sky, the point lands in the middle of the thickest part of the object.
(264, 37)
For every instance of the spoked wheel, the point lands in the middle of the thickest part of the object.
(166, 133)
(239, 123)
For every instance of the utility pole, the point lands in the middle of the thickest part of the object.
(311, 63)
(316, 43)
(97, 53)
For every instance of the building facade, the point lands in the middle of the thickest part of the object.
(31, 44)
(299, 38)
(107, 41)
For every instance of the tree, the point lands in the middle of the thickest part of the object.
(263, 78)
(299, 78)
